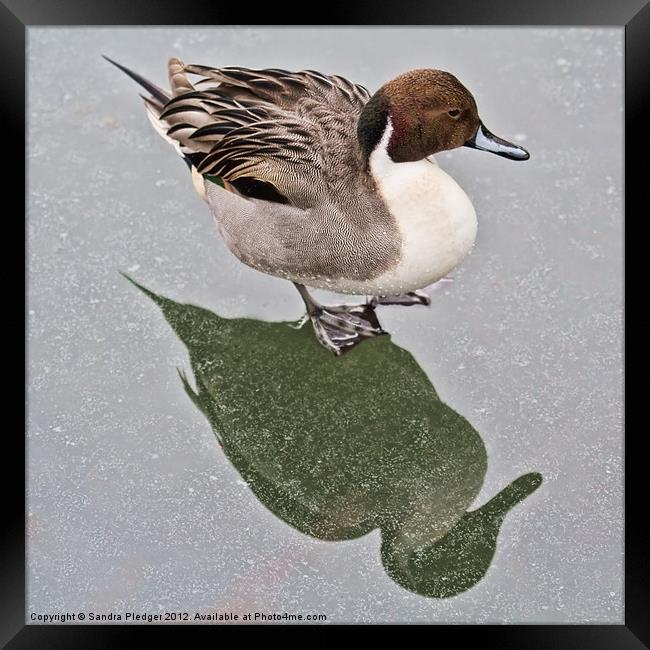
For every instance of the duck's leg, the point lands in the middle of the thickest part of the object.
(339, 328)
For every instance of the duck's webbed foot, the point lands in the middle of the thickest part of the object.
(406, 299)
(339, 328)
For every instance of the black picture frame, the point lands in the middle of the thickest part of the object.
(632, 15)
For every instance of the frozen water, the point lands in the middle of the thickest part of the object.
(132, 504)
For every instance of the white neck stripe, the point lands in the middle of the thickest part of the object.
(380, 161)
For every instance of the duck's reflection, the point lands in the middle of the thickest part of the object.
(339, 446)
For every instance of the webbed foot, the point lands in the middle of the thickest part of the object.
(340, 328)
(406, 299)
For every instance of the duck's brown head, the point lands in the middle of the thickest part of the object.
(429, 111)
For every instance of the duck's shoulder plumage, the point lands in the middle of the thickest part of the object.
(288, 136)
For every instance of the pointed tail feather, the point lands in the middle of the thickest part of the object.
(156, 92)
(177, 115)
(155, 106)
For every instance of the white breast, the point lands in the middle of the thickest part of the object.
(435, 217)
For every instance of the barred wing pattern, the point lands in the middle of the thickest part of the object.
(288, 129)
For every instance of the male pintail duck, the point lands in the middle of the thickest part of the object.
(312, 179)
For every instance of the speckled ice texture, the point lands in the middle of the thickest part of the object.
(131, 503)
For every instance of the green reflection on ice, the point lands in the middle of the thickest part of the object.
(339, 446)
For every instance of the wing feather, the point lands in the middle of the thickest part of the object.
(279, 128)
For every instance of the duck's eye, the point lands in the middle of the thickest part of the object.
(454, 113)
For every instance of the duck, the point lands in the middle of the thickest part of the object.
(311, 178)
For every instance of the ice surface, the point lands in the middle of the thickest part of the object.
(132, 504)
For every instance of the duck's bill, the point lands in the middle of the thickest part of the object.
(484, 140)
